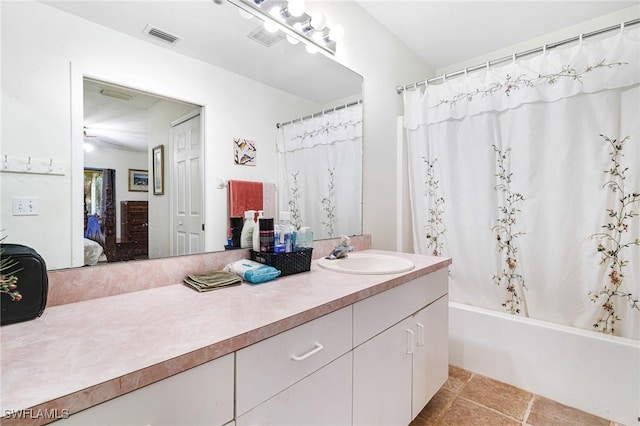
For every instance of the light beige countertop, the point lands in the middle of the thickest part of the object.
(80, 354)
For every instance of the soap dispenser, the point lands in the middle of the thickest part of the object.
(246, 237)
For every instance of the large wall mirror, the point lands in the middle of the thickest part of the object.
(89, 72)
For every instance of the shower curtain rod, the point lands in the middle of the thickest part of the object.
(400, 89)
(315, 114)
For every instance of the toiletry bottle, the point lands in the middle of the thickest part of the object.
(236, 231)
(256, 231)
(246, 237)
(304, 238)
(286, 231)
(266, 235)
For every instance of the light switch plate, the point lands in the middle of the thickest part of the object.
(25, 206)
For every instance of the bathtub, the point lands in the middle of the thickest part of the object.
(596, 373)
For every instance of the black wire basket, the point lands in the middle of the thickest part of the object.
(287, 263)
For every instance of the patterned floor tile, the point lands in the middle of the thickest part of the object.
(467, 413)
(547, 412)
(499, 396)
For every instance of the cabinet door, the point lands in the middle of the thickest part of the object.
(202, 395)
(431, 354)
(323, 398)
(382, 377)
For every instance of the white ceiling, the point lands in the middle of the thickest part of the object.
(113, 123)
(445, 33)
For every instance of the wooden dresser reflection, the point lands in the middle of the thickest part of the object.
(134, 230)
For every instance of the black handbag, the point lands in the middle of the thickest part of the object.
(33, 284)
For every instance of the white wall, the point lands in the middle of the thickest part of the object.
(45, 55)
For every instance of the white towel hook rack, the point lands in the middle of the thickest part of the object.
(30, 165)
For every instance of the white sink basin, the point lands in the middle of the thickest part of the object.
(368, 264)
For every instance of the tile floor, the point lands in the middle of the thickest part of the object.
(471, 399)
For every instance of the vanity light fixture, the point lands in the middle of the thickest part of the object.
(317, 23)
(290, 18)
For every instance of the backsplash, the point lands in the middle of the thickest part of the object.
(78, 284)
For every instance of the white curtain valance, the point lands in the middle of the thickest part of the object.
(343, 125)
(548, 77)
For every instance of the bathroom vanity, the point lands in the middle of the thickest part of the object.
(314, 348)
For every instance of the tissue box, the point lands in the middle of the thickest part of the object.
(288, 263)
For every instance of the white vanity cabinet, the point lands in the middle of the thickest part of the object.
(375, 362)
(202, 395)
(400, 357)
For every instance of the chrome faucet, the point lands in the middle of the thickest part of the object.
(340, 251)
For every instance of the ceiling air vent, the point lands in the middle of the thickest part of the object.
(159, 34)
(264, 37)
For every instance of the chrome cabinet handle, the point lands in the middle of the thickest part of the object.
(317, 348)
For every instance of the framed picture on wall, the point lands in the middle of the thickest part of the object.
(244, 152)
(138, 180)
(158, 170)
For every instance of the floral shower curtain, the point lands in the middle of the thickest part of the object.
(528, 176)
(321, 172)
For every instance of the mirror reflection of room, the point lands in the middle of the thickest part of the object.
(120, 205)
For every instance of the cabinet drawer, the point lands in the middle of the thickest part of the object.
(270, 366)
(379, 312)
(323, 398)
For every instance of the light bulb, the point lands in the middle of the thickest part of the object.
(318, 21)
(88, 147)
(311, 49)
(297, 27)
(295, 7)
(292, 40)
(336, 33)
(270, 26)
(318, 37)
(276, 12)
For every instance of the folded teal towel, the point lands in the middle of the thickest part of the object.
(262, 274)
